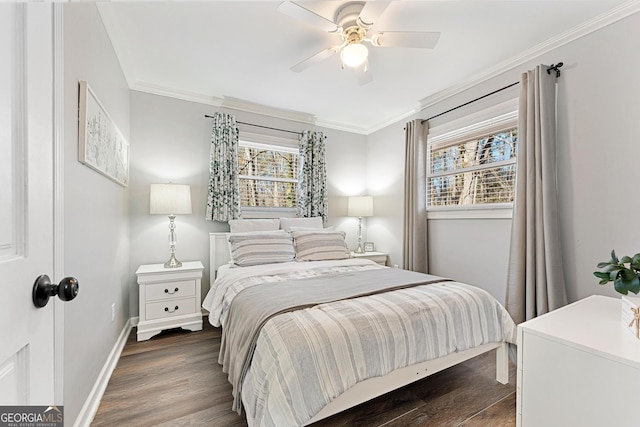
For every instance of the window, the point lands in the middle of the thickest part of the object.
(478, 171)
(268, 173)
(473, 166)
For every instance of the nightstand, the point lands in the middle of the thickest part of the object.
(379, 257)
(169, 298)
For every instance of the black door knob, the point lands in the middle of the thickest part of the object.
(43, 289)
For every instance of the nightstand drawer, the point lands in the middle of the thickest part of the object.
(171, 290)
(172, 308)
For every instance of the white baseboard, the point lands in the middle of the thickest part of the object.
(90, 407)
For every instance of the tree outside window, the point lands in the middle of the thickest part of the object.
(478, 171)
(267, 175)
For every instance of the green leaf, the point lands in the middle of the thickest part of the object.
(603, 281)
(634, 286)
(603, 264)
(620, 287)
(614, 258)
(625, 260)
(636, 258)
(628, 275)
(601, 275)
(614, 274)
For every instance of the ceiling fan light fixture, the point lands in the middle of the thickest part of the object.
(354, 54)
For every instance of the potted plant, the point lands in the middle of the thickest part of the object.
(625, 279)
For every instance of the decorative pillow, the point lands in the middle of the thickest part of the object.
(246, 225)
(260, 248)
(313, 222)
(248, 233)
(320, 245)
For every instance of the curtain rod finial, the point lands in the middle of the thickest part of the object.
(556, 68)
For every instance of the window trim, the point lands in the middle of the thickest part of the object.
(268, 142)
(501, 117)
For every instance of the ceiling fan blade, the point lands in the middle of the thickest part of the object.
(314, 59)
(298, 12)
(371, 12)
(425, 40)
(363, 73)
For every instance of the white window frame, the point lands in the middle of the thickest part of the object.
(290, 145)
(494, 119)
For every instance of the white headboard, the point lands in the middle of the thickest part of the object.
(218, 253)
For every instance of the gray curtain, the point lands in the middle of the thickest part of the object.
(535, 276)
(312, 176)
(223, 202)
(415, 254)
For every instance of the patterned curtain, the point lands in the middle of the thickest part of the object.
(312, 176)
(223, 202)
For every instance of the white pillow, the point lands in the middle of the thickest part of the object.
(261, 248)
(246, 225)
(313, 222)
(320, 245)
(326, 229)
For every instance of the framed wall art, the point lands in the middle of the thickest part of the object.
(101, 145)
(369, 247)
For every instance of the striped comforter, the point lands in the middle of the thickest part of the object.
(306, 358)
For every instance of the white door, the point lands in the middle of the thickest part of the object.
(26, 203)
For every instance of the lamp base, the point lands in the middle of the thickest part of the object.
(173, 262)
(359, 249)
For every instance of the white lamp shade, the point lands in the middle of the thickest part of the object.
(354, 54)
(170, 199)
(360, 206)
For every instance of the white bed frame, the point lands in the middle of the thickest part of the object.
(374, 387)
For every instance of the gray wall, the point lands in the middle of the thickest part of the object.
(598, 142)
(171, 141)
(96, 223)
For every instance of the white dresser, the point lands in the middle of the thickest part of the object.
(578, 366)
(169, 298)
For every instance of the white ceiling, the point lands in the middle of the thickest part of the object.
(238, 53)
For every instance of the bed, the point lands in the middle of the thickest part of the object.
(295, 366)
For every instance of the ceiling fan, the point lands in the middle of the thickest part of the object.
(352, 22)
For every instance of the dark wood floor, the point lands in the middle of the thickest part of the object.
(174, 380)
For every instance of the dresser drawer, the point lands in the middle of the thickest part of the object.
(170, 308)
(170, 290)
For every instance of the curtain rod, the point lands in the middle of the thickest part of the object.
(553, 67)
(260, 126)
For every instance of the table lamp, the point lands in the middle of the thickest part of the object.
(360, 206)
(172, 200)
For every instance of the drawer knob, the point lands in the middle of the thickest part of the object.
(170, 311)
(166, 291)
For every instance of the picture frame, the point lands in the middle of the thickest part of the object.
(369, 247)
(101, 145)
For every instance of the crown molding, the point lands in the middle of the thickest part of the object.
(177, 93)
(605, 19)
(340, 126)
(393, 120)
(266, 110)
